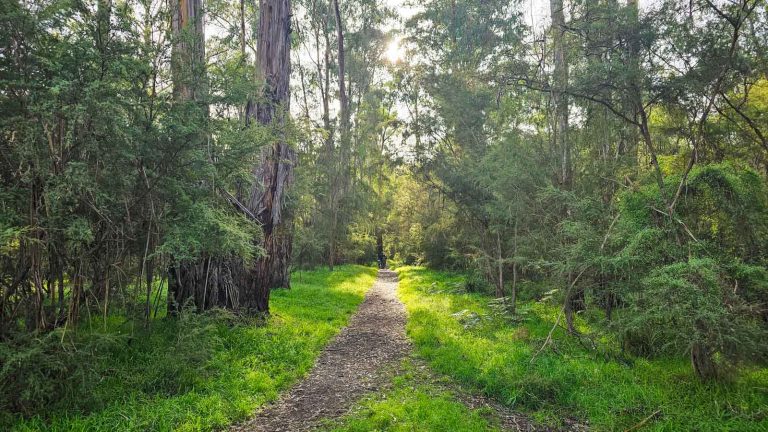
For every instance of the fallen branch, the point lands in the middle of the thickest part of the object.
(548, 340)
(644, 421)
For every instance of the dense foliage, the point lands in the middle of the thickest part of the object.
(104, 181)
(613, 160)
(609, 162)
(194, 373)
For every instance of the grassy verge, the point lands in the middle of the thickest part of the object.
(413, 404)
(461, 336)
(204, 372)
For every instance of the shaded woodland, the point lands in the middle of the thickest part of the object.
(160, 159)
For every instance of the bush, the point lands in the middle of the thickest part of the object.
(695, 308)
(533, 289)
(44, 372)
(475, 282)
(695, 285)
(39, 369)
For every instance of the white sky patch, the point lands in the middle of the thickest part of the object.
(404, 8)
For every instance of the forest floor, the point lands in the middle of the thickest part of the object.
(353, 364)
(341, 353)
(470, 340)
(200, 372)
(363, 363)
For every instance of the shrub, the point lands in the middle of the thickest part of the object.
(695, 285)
(695, 308)
(475, 282)
(44, 372)
(39, 369)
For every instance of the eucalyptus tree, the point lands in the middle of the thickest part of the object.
(240, 279)
(273, 175)
(194, 280)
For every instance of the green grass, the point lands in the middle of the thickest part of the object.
(203, 372)
(413, 404)
(492, 354)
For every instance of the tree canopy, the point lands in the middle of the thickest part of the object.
(187, 155)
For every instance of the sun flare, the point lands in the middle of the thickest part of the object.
(395, 53)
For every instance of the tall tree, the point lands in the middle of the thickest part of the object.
(339, 179)
(205, 282)
(188, 57)
(560, 140)
(273, 175)
(227, 280)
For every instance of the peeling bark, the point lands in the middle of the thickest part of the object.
(274, 174)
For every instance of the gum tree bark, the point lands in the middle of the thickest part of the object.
(274, 173)
(227, 281)
(209, 281)
(188, 55)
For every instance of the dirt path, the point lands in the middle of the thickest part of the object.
(354, 363)
(362, 359)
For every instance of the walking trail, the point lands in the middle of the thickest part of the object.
(360, 360)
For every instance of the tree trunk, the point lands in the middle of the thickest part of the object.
(226, 281)
(629, 133)
(274, 174)
(332, 235)
(499, 267)
(559, 98)
(339, 183)
(343, 101)
(207, 282)
(382, 258)
(561, 142)
(204, 284)
(188, 54)
(513, 295)
(702, 362)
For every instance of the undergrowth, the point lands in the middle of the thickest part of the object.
(199, 372)
(464, 336)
